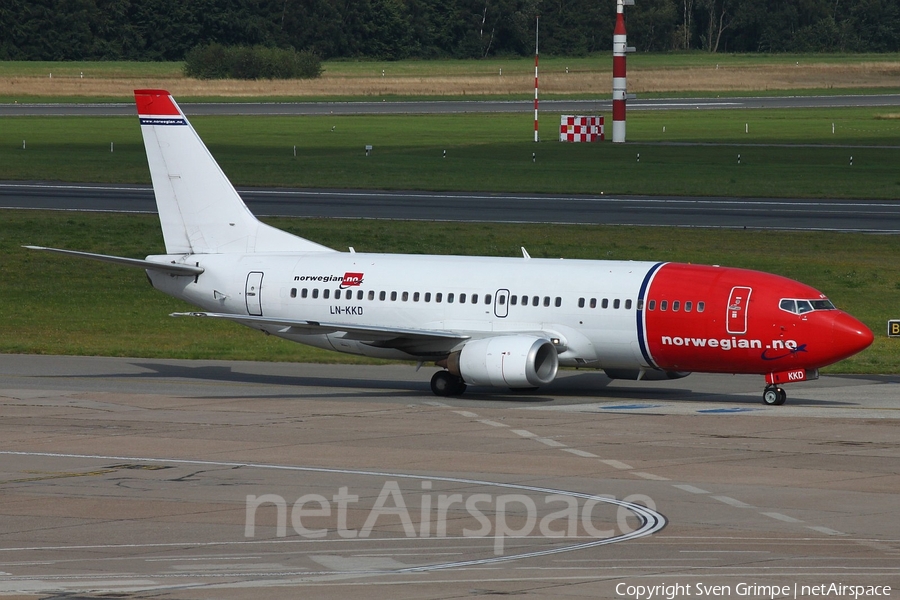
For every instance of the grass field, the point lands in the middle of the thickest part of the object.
(58, 305)
(493, 153)
(679, 74)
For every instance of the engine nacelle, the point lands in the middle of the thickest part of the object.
(516, 361)
(645, 374)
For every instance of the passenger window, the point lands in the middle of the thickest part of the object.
(546, 300)
(415, 296)
(359, 295)
(593, 303)
(462, 298)
(427, 296)
(687, 306)
(605, 303)
(337, 294)
(450, 298)
(616, 303)
(701, 306)
(581, 303)
(535, 300)
(438, 297)
(325, 293)
(558, 302)
(316, 293)
(664, 305)
(651, 305)
(393, 296)
(475, 298)
(405, 296)
(487, 298)
(382, 296)
(304, 293)
(371, 294)
(675, 306)
(640, 304)
(501, 299)
(524, 300)
(513, 300)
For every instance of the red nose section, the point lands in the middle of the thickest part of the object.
(849, 336)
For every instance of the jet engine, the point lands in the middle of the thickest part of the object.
(515, 361)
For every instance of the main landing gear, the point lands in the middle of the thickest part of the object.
(445, 383)
(772, 395)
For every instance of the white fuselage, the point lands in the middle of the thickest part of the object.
(475, 295)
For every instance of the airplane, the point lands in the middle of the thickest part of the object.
(502, 322)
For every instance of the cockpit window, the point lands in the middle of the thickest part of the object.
(800, 307)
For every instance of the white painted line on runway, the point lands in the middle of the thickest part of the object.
(781, 517)
(616, 464)
(491, 423)
(550, 442)
(581, 453)
(689, 488)
(651, 476)
(825, 530)
(466, 414)
(732, 502)
(524, 433)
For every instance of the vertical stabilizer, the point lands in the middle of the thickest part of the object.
(199, 209)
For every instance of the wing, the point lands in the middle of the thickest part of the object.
(414, 341)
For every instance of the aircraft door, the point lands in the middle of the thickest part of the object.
(501, 304)
(738, 305)
(252, 293)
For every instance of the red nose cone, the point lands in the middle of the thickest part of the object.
(849, 336)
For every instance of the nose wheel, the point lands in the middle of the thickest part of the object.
(774, 396)
(444, 383)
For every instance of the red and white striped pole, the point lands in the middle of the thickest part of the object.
(537, 22)
(618, 87)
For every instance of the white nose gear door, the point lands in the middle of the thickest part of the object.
(253, 294)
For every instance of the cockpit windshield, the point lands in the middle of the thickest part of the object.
(800, 307)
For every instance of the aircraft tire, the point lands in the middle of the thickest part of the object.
(774, 396)
(444, 383)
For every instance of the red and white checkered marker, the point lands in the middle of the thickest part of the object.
(575, 128)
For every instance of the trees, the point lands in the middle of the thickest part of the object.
(394, 29)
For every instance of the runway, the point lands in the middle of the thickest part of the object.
(453, 106)
(871, 216)
(139, 477)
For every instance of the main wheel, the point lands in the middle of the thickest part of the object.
(444, 383)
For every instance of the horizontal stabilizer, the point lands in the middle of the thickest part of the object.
(171, 268)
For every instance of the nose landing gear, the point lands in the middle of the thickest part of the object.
(774, 396)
